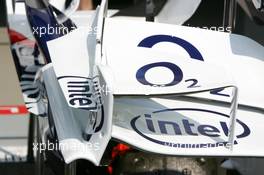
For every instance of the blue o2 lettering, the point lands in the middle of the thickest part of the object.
(149, 42)
(194, 83)
(177, 73)
(192, 51)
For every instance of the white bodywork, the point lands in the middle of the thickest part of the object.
(195, 124)
(177, 11)
(120, 81)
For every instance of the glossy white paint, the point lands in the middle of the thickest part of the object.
(112, 56)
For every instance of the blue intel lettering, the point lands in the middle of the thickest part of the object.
(184, 126)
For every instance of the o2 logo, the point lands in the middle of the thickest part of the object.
(149, 42)
(192, 51)
(177, 73)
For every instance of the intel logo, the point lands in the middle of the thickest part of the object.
(187, 128)
(78, 92)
